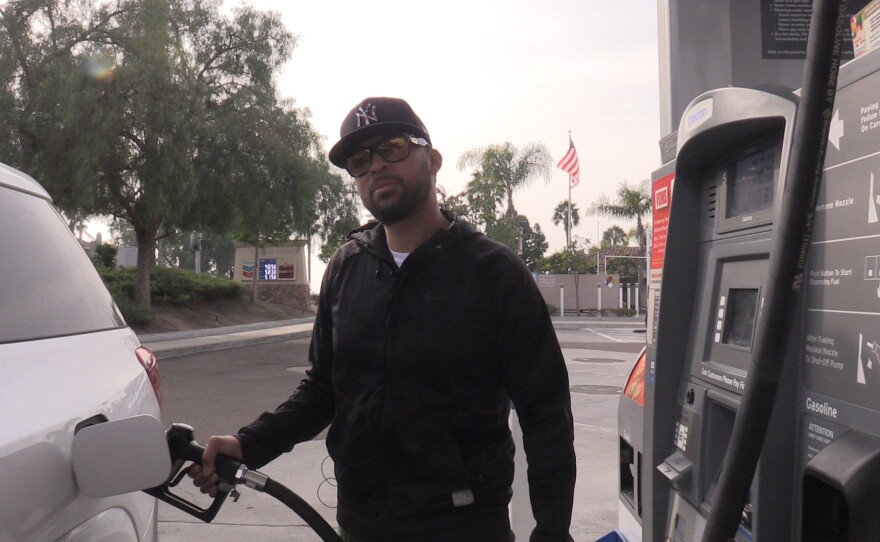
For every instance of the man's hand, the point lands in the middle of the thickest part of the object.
(204, 476)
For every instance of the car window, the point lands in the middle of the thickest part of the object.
(48, 285)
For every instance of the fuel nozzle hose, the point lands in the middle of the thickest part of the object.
(260, 482)
(303, 510)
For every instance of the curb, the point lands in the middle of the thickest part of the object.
(225, 330)
(181, 343)
(577, 322)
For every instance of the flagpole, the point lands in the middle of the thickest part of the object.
(568, 225)
(569, 164)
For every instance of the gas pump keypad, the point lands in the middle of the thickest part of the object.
(681, 436)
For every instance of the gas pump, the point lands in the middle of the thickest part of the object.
(733, 147)
(818, 476)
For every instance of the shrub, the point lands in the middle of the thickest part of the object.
(120, 281)
(134, 314)
(104, 256)
(181, 286)
(177, 286)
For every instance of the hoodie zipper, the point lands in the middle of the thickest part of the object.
(396, 276)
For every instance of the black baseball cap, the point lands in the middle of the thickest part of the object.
(375, 116)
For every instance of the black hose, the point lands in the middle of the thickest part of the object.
(787, 268)
(303, 510)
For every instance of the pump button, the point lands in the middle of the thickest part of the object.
(690, 396)
(677, 468)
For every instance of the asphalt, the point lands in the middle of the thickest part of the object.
(596, 375)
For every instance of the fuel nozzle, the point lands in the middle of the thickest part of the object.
(181, 438)
(183, 449)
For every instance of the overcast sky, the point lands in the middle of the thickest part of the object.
(483, 72)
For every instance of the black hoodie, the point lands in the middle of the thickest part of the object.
(414, 368)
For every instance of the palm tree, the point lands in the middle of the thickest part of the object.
(560, 216)
(508, 167)
(631, 203)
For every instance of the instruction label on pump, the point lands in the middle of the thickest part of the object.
(818, 434)
(661, 203)
(841, 357)
(841, 349)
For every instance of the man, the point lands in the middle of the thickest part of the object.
(426, 331)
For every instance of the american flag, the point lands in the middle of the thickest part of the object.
(569, 163)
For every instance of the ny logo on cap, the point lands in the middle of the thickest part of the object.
(366, 114)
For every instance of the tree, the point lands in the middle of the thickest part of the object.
(572, 259)
(160, 113)
(527, 241)
(478, 203)
(631, 203)
(561, 216)
(506, 169)
(105, 256)
(614, 237)
(338, 206)
(501, 170)
(626, 268)
(122, 233)
(456, 204)
(534, 243)
(217, 253)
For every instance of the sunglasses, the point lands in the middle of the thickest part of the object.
(391, 149)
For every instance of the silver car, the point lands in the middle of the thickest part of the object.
(67, 360)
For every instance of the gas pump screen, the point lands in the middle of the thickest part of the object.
(753, 182)
(739, 324)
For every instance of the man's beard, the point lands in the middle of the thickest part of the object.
(408, 202)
